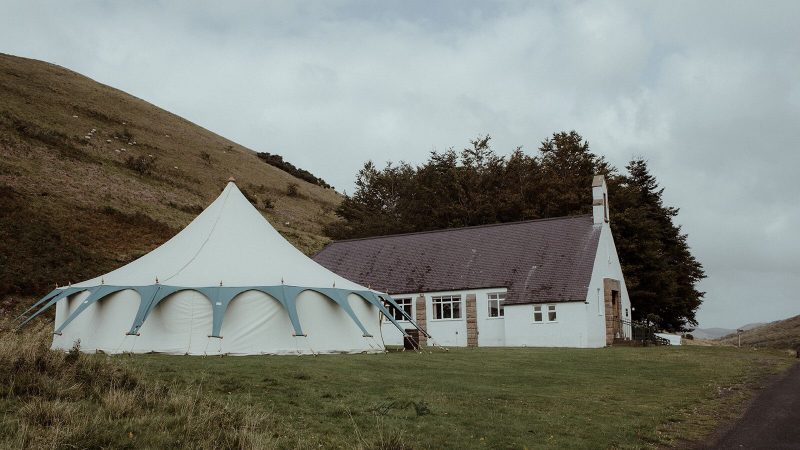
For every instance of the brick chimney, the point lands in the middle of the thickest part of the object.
(599, 200)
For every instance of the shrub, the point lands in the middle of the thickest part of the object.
(143, 165)
(277, 161)
(206, 157)
(293, 190)
(268, 203)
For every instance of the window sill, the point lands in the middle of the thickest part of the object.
(544, 323)
(447, 320)
(494, 318)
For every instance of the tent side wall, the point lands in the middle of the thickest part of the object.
(254, 323)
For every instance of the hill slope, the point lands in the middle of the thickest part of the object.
(783, 334)
(91, 177)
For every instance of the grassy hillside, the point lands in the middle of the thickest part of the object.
(92, 177)
(783, 334)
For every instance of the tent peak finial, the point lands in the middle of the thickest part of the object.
(231, 180)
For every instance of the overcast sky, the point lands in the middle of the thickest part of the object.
(708, 92)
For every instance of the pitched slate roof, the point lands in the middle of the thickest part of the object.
(538, 261)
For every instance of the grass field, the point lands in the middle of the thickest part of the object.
(484, 398)
(461, 398)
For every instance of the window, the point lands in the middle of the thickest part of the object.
(446, 307)
(405, 304)
(496, 301)
(538, 313)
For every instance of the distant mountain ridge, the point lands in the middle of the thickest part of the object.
(92, 177)
(716, 333)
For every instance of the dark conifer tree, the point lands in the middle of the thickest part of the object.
(660, 271)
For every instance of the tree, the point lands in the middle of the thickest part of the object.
(660, 271)
(566, 169)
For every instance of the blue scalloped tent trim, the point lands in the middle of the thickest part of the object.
(219, 297)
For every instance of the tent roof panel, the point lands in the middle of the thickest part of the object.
(229, 243)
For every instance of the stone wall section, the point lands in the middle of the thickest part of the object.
(422, 319)
(472, 320)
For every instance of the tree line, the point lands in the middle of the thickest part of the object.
(476, 186)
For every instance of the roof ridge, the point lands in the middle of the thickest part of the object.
(471, 227)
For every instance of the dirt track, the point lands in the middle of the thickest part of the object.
(772, 421)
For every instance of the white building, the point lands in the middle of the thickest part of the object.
(538, 283)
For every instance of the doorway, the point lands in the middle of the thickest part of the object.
(613, 309)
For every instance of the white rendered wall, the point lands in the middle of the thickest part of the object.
(491, 330)
(389, 333)
(568, 330)
(452, 332)
(606, 265)
(447, 332)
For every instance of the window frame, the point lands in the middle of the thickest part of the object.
(499, 301)
(551, 309)
(544, 311)
(441, 301)
(537, 309)
(400, 303)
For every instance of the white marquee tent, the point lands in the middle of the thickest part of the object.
(226, 284)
